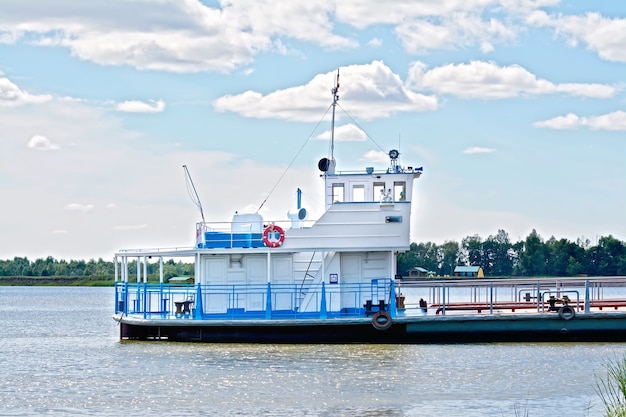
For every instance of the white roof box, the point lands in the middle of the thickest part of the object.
(247, 222)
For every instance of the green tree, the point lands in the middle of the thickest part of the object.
(574, 267)
(608, 258)
(77, 268)
(472, 251)
(448, 258)
(499, 255)
(419, 254)
(103, 268)
(565, 258)
(61, 268)
(533, 257)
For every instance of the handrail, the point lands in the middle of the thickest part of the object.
(350, 299)
(238, 299)
(462, 294)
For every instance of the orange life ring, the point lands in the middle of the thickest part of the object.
(269, 236)
(381, 320)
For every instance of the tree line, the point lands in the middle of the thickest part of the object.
(534, 256)
(496, 254)
(50, 267)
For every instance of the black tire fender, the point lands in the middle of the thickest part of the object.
(381, 320)
(567, 313)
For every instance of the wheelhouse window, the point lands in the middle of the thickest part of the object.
(358, 193)
(338, 193)
(379, 191)
(399, 191)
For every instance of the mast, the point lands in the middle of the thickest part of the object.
(335, 91)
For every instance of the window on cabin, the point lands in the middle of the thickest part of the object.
(379, 191)
(338, 193)
(358, 192)
(399, 191)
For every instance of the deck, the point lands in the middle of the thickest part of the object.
(260, 301)
(456, 311)
(526, 295)
(463, 296)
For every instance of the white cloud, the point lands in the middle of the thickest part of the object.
(112, 206)
(569, 121)
(587, 90)
(42, 143)
(85, 208)
(477, 150)
(375, 43)
(376, 156)
(480, 79)
(12, 96)
(453, 31)
(176, 36)
(59, 232)
(486, 47)
(190, 36)
(308, 21)
(345, 133)
(135, 106)
(610, 121)
(369, 85)
(364, 13)
(605, 36)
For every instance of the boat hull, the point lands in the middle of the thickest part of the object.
(591, 327)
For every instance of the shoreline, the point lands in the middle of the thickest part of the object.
(25, 281)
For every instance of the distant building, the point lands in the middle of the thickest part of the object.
(419, 272)
(180, 280)
(469, 271)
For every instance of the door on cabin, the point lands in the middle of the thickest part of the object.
(215, 298)
(350, 278)
(282, 283)
(256, 278)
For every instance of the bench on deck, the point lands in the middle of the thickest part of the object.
(479, 307)
(600, 304)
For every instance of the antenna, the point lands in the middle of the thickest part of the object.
(194, 197)
(327, 165)
(334, 90)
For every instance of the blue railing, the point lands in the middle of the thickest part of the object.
(239, 301)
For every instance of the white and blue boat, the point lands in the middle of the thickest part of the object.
(334, 280)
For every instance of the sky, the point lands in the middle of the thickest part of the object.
(516, 110)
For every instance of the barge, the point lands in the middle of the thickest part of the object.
(335, 280)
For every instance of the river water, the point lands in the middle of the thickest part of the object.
(60, 355)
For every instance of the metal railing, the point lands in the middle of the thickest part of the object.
(236, 301)
(528, 294)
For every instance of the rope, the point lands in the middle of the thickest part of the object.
(307, 140)
(293, 160)
(363, 130)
